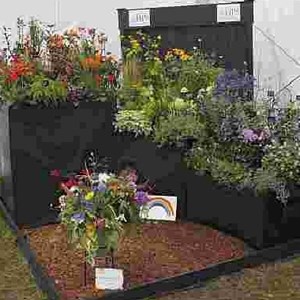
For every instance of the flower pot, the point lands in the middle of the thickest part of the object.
(260, 221)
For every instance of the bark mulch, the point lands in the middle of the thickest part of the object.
(150, 252)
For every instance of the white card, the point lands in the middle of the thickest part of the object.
(109, 279)
(162, 208)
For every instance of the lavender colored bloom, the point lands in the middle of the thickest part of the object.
(78, 217)
(101, 187)
(88, 205)
(141, 197)
(234, 82)
(248, 135)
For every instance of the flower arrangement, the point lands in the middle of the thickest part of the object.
(94, 205)
(45, 67)
(240, 142)
(163, 87)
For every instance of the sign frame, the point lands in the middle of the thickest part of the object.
(227, 13)
(139, 18)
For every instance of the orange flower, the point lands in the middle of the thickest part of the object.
(56, 41)
(92, 62)
(114, 186)
(73, 32)
(18, 68)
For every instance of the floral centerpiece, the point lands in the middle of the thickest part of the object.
(94, 205)
(45, 67)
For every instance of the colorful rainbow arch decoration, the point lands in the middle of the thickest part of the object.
(161, 202)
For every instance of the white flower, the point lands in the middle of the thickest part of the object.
(62, 202)
(74, 189)
(121, 218)
(184, 90)
(103, 177)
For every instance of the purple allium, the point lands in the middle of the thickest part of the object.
(233, 81)
(141, 197)
(78, 217)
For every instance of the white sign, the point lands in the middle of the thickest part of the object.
(109, 279)
(139, 18)
(229, 13)
(160, 208)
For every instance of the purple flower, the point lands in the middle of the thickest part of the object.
(78, 217)
(141, 197)
(101, 187)
(234, 82)
(251, 135)
(88, 205)
(247, 134)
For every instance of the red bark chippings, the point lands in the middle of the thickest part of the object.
(154, 251)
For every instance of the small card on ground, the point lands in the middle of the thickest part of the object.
(109, 279)
(160, 208)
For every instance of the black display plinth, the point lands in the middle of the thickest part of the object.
(35, 141)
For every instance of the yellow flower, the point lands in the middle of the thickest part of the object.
(185, 57)
(90, 230)
(135, 44)
(89, 196)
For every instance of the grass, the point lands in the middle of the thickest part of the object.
(16, 280)
(277, 281)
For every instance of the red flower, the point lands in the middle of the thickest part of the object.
(13, 76)
(111, 78)
(70, 183)
(98, 79)
(55, 173)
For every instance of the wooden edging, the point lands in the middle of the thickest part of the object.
(198, 278)
(167, 285)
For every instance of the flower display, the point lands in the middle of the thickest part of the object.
(91, 208)
(46, 67)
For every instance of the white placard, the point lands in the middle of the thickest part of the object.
(139, 18)
(229, 12)
(109, 279)
(160, 208)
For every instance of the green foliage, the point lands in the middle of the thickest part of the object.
(194, 74)
(228, 172)
(47, 90)
(283, 160)
(133, 121)
(173, 128)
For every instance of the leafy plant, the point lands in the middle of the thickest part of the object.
(172, 129)
(133, 121)
(47, 90)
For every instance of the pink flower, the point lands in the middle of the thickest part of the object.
(55, 173)
(100, 223)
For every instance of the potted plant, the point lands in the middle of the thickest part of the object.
(56, 91)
